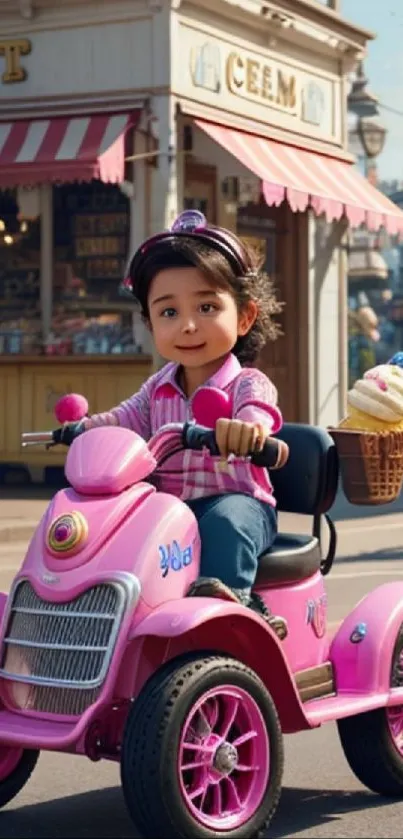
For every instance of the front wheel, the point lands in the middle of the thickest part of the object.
(202, 752)
(16, 767)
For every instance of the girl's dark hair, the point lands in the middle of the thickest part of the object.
(254, 285)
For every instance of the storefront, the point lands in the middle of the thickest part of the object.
(262, 109)
(71, 208)
(108, 128)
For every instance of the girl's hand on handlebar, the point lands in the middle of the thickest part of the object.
(68, 432)
(247, 438)
(241, 438)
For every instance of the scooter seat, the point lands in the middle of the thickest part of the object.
(291, 558)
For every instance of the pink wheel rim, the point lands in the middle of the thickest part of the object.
(394, 717)
(224, 758)
(9, 759)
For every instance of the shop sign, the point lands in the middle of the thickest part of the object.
(264, 87)
(12, 50)
(255, 79)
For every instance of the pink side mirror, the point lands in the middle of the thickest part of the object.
(209, 405)
(71, 408)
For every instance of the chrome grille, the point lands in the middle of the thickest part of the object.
(57, 654)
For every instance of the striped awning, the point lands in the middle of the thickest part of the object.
(308, 179)
(64, 149)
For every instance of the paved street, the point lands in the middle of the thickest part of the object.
(71, 797)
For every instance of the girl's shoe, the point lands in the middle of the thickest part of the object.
(213, 587)
(277, 623)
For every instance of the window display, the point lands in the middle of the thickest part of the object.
(91, 227)
(20, 323)
(91, 242)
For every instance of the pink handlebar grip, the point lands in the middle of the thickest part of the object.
(71, 408)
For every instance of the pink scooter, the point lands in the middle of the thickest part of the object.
(103, 655)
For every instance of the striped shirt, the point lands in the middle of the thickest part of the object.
(190, 474)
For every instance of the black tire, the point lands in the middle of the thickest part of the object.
(11, 786)
(371, 754)
(368, 744)
(151, 740)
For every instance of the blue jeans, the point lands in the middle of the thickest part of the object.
(235, 529)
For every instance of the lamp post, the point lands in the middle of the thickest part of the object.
(367, 269)
(372, 134)
(367, 134)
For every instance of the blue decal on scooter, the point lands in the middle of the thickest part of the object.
(358, 634)
(172, 556)
(164, 561)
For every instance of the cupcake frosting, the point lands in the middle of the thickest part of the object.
(380, 393)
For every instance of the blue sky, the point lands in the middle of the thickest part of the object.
(384, 68)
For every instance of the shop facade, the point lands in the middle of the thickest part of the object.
(113, 119)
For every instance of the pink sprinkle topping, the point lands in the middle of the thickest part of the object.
(374, 376)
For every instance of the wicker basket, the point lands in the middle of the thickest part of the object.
(371, 465)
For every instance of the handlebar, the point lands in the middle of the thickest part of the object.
(196, 437)
(36, 438)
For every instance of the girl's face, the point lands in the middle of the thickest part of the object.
(192, 323)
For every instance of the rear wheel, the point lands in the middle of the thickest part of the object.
(373, 742)
(16, 767)
(202, 754)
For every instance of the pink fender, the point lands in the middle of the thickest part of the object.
(364, 667)
(198, 623)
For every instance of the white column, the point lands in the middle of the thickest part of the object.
(138, 197)
(343, 318)
(327, 322)
(312, 322)
(180, 164)
(164, 186)
(138, 228)
(163, 197)
(46, 281)
(164, 190)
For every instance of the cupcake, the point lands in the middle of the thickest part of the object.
(375, 402)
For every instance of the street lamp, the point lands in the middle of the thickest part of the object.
(360, 100)
(372, 135)
(367, 134)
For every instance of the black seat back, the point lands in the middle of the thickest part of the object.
(307, 484)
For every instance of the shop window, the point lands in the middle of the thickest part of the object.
(91, 243)
(20, 246)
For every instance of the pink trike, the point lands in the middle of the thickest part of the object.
(103, 655)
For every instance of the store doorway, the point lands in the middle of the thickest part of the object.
(201, 190)
(268, 229)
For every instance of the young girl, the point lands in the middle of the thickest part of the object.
(210, 312)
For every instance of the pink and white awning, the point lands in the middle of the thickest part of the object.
(64, 149)
(308, 179)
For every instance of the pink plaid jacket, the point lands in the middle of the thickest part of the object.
(190, 474)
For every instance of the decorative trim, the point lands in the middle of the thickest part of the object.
(196, 110)
(77, 105)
